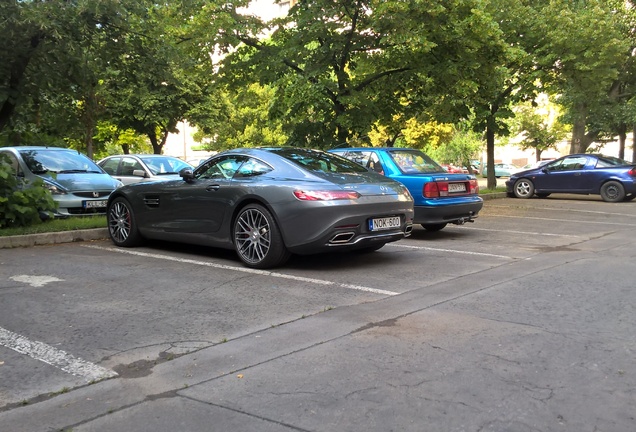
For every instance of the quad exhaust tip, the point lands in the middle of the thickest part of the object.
(343, 237)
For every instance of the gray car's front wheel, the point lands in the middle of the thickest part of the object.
(257, 238)
(523, 188)
(122, 226)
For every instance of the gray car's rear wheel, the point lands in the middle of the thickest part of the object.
(612, 191)
(257, 238)
(122, 226)
(433, 227)
(523, 188)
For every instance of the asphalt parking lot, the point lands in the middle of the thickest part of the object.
(521, 321)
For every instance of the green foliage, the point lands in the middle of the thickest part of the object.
(245, 122)
(464, 145)
(540, 126)
(21, 203)
(340, 67)
(115, 141)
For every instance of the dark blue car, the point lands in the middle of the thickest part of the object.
(612, 178)
(439, 197)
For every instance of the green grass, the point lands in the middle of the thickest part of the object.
(56, 225)
(483, 191)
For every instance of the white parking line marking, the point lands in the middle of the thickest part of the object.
(35, 281)
(453, 251)
(520, 232)
(567, 220)
(571, 210)
(245, 270)
(54, 357)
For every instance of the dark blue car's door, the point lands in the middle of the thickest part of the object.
(564, 175)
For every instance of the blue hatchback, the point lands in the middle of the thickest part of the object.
(439, 197)
(612, 178)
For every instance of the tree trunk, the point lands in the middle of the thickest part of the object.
(622, 137)
(490, 158)
(581, 140)
(634, 143)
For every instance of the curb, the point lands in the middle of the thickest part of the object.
(52, 238)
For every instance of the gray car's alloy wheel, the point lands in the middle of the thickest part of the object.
(122, 226)
(612, 191)
(523, 188)
(257, 239)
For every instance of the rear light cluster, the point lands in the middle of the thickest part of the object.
(632, 172)
(438, 189)
(326, 195)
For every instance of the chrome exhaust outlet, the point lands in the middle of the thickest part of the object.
(408, 228)
(344, 237)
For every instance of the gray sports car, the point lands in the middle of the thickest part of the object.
(266, 203)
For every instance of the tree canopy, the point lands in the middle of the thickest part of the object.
(327, 73)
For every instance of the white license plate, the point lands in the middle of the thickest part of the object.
(379, 224)
(456, 187)
(95, 204)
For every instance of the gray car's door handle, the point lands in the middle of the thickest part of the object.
(213, 187)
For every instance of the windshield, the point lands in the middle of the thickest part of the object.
(57, 161)
(165, 165)
(414, 162)
(318, 161)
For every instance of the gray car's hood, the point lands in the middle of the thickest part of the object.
(82, 181)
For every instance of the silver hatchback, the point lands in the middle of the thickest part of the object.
(78, 185)
(136, 168)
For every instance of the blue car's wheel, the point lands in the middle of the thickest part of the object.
(257, 239)
(523, 188)
(122, 226)
(612, 191)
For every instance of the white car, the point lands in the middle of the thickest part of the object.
(135, 168)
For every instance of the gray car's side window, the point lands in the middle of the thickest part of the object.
(220, 168)
(251, 168)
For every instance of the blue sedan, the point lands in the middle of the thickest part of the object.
(439, 197)
(612, 178)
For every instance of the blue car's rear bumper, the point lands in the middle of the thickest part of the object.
(447, 213)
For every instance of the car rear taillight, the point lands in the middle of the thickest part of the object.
(430, 190)
(474, 186)
(326, 195)
(443, 188)
(632, 172)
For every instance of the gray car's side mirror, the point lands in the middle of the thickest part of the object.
(187, 174)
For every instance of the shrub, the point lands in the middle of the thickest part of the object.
(22, 203)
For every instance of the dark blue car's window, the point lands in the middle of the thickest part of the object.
(413, 162)
(609, 161)
(568, 164)
(318, 161)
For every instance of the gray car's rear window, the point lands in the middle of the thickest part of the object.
(317, 161)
